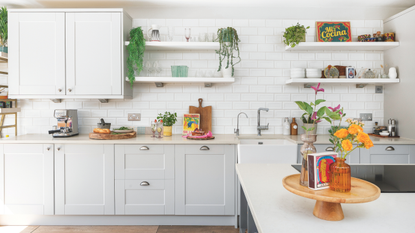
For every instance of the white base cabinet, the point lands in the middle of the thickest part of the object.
(84, 179)
(205, 180)
(26, 178)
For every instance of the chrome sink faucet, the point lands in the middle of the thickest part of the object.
(261, 127)
(237, 123)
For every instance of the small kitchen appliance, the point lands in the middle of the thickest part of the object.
(67, 123)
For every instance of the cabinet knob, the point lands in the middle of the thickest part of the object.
(330, 148)
(204, 148)
(70, 90)
(60, 90)
(144, 148)
(48, 148)
(58, 148)
(144, 183)
(390, 148)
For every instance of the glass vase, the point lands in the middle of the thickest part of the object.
(306, 149)
(340, 176)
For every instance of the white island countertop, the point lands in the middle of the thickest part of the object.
(275, 209)
(177, 139)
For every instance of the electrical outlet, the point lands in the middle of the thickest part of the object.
(134, 116)
(378, 89)
(366, 116)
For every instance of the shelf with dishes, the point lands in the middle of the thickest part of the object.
(343, 46)
(360, 82)
(160, 81)
(165, 46)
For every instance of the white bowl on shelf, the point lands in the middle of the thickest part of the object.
(297, 73)
(384, 134)
(313, 73)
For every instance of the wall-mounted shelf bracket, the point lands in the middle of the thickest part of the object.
(104, 101)
(208, 84)
(309, 85)
(57, 101)
(361, 85)
(159, 84)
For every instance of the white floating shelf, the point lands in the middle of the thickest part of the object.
(360, 82)
(9, 110)
(159, 81)
(344, 46)
(151, 46)
(4, 59)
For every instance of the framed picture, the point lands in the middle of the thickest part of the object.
(190, 122)
(350, 72)
(333, 32)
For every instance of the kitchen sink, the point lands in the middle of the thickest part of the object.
(267, 151)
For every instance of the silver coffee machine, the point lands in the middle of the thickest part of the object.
(67, 123)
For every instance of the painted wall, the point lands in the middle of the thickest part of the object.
(260, 79)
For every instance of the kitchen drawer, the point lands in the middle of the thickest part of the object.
(144, 197)
(389, 149)
(144, 162)
(204, 149)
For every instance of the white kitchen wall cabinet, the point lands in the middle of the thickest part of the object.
(144, 182)
(26, 179)
(205, 180)
(84, 179)
(68, 53)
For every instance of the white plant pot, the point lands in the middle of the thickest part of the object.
(227, 73)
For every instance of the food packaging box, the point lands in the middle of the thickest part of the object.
(319, 169)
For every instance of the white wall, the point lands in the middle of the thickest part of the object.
(260, 79)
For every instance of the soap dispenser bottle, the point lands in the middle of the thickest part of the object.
(286, 126)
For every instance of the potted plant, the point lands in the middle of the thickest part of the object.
(3, 30)
(168, 121)
(294, 35)
(136, 49)
(229, 44)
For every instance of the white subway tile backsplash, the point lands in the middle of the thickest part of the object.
(256, 22)
(240, 22)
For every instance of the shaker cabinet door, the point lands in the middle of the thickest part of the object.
(84, 179)
(93, 54)
(26, 179)
(37, 54)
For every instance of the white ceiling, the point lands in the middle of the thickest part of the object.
(210, 3)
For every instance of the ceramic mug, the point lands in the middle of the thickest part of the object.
(392, 73)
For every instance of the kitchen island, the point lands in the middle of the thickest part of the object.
(274, 209)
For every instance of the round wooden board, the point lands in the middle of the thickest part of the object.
(200, 138)
(327, 201)
(103, 136)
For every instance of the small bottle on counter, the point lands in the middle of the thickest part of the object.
(294, 127)
(286, 126)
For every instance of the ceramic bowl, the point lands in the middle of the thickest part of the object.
(384, 134)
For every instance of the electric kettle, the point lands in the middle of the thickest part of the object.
(153, 33)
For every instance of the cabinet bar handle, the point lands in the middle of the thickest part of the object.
(390, 148)
(330, 148)
(144, 183)
(144, 148)
(204, 148)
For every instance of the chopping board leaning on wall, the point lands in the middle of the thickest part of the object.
(205, 115)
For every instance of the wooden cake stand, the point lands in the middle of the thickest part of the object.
(328, 202)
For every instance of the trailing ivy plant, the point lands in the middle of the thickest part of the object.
(294, 34)
(229, 43)
(3, 26)
(136, 49)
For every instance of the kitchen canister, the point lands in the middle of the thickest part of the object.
(392, 73)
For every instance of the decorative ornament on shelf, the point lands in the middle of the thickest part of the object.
(295, 34)
(333, 32)
(136, 49)
(229, 44)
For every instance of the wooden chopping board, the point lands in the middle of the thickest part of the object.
(106, 136)
(205, 115)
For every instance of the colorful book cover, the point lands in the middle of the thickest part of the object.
(319, 169)
(190, 123)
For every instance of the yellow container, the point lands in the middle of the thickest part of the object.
(167, 131)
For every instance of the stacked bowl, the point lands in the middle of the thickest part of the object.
(297, 73)
(313, 73)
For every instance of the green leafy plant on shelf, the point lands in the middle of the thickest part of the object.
(136, 49)
(294, 35)
(229, 47)
(168, 118)
(3, 27)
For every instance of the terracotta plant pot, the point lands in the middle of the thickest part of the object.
(340, 176)
(167, 131)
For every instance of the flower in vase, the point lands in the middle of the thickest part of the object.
(341, 133)
(368, 144)
(354, 129)
(347, 145)
(362, 137)
(314, 117)
(317, 89)
(335, 109)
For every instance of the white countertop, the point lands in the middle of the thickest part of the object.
(275, 209)
(224, 139)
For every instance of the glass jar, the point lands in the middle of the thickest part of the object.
(306, 149)
(340, 176)
(370, 74)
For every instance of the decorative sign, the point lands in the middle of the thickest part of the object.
(333, 32)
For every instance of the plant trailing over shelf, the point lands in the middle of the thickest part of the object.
(3, 27)
(136, 49)
(294, 35)
(168, 118)
(228, 40)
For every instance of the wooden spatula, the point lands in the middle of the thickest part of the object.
(205, 115)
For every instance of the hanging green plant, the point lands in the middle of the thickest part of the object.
(136, 49)
(3, 26)
(229, 43)
(294, 35)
